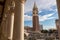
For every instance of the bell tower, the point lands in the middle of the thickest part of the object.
(35, 18)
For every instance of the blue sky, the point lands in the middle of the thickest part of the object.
(47, 11)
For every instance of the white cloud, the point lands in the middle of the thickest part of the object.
(46, 17)
(46, 4)
(41, 4)
(55, 10)
(27, 18)
(39, 11)
(41, 18)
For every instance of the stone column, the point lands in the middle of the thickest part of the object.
(11, 20)
(10, 29)
(4, 21)
(18, 33)
(58, 27)
(58, 6)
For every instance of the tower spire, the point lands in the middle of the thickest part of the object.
(35, 6)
